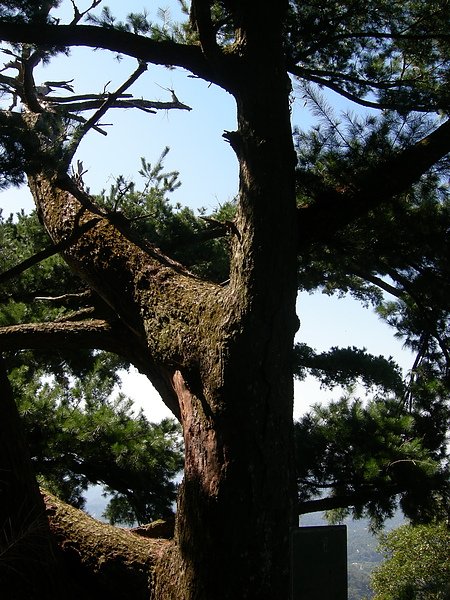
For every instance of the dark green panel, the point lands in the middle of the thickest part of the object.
(319, 563)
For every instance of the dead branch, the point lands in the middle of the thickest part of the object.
(106, 104)
(84, 295)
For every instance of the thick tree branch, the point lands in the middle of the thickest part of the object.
(144, 49)
(94, 333)
(358, 498)
(122, 562)
(155, 297)
(398, 173)
(378, 281)
(29, 62)
(200, 18)
(333, 209)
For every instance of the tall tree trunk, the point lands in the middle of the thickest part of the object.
(220, 356)
(234, 386)
(226, 349)
(235, 509)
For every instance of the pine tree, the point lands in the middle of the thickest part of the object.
(221, 355)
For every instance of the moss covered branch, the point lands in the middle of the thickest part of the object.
(121, 562)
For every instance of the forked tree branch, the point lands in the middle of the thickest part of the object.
(78, 15)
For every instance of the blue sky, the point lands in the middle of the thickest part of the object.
(208, 172)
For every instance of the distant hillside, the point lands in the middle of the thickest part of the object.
(362, 556)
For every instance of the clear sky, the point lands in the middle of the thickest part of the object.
(208, 172)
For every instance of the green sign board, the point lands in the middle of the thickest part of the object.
(319, 563)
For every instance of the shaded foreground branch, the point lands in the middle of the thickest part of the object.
(357, 499)
(333, 209)
(27, 565)
(140, 47)
(105, 560)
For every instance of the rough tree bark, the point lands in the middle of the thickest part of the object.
(228, 354)
(223, 352)
(99, 560)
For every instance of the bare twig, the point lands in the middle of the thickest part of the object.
(66, 297)
(92, 122)
(114, 97)
(82, 97)
(81, 119)
(77, 15)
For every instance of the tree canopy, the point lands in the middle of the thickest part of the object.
(416, 563)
